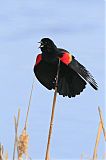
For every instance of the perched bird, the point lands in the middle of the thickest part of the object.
(73, 76)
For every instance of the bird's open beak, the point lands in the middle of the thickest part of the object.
(41, 44)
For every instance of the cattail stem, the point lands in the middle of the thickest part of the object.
(52, 114)
(1, 151)
(100, 128)
(101, 119)
(26, 121)
(16, 132)
(97, 141)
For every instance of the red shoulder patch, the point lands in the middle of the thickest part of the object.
(38, 59)
(66, 58)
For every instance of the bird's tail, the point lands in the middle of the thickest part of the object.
(71, 84)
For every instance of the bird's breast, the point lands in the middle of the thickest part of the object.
(50, 58)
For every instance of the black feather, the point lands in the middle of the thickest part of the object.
(82, 71)
(70, 83)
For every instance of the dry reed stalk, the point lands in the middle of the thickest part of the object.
(29, 104)
(100, 128)
(2, 155)
(1, 151)
(24, 137)
(52, 114)
(6, 156)
(48, 158)
(16, 132)
(97, 141)
(101, 119)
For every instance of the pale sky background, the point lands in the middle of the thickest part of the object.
(76, 25)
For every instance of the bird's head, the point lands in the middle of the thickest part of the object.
(47, 45)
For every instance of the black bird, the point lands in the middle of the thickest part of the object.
(73, 76)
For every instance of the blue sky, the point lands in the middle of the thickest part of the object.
(77, 26)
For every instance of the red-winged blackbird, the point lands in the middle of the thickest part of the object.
(73, 76)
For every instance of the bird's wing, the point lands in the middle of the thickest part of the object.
(70, 60)
(83, 72)
(45, 72)
(66, 57)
